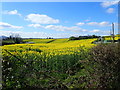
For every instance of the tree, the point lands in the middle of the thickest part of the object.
(16, 38)
(73, 38)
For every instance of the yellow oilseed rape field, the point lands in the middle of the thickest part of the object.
(42, 63)
(110, 37)
(46, 63)
(57, 46)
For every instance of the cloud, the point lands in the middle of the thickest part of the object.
(110, 10)
(104, 23)
(25, 34)
(14, 12)
(80, 23)
(54, 35)
(59, 27)
(99, 32)
(6, 25)
(92, 23)
(89, 19)
(36, 25)
(109, 3)
(95, 31)
(36, 34)
(116, 24)
(56, 27)
(41, 19)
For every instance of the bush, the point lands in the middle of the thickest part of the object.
(104, 63)
(73, 38)
(12, 39)
(83, 37)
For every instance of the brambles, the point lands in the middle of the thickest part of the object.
(105, 60)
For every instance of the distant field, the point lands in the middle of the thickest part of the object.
(51, 45)
(38, 40)
(110, 38)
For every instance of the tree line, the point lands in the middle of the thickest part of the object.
(83, 37)
(12, 39)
